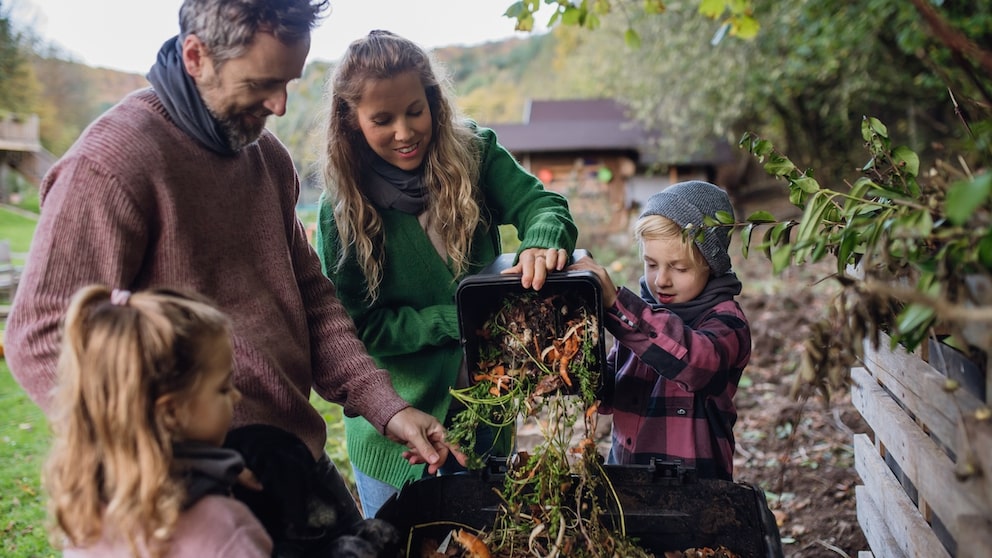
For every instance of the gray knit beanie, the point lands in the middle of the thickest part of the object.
(688, 202)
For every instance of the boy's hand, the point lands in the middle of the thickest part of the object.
(534, 265)
(586, 263)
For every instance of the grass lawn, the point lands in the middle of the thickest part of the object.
(24, 441)
(18, 228)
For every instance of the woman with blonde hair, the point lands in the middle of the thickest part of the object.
(143, 402)
(415, 196)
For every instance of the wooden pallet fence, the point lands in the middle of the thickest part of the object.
(915, 500)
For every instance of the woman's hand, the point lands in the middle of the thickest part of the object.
(424, 435)
(535, 264)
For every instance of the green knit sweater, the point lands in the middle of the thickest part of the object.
(412, 329)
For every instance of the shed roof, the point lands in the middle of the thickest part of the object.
(589, 125)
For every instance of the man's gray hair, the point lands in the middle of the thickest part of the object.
(227, 27)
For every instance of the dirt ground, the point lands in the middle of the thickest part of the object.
(800, 453)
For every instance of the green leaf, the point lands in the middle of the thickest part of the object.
(781, 255)
(811, 223)
(712, 8)
(779, 165)
(913, 187)
(516, 10)
(780, 233)
(907, 160)
(746, 239)
(871, 126)
(848, 242)
(654, 6)
(632, 39)
(966, 196)
(985, 251)
(922, 223)
(807, 184)
(914, 317)
(745, 27)
(724, 218)
(820, 249)
(573, 16)
(761, 217)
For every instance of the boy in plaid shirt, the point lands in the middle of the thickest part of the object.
(682, 344)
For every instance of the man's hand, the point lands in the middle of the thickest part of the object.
(534, 265)
(424, 435)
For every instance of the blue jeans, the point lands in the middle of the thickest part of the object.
(373, 493)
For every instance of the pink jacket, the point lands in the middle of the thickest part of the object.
(216, 526)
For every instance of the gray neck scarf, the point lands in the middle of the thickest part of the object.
(389, 187)
(207, 469)
(718, 289)
(182, 100)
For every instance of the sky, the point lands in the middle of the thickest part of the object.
(126, 34)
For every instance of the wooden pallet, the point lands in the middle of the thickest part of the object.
(913, 501)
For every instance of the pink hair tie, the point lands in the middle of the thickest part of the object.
(120, 297)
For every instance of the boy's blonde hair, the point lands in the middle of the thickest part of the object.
(110, 467)
(657, 227)
(450, 168)
(691, 203)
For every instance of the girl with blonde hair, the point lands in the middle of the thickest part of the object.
(143, 402)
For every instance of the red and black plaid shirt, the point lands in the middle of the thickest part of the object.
(670, 385)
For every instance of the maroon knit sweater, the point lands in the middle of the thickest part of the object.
(137, 203)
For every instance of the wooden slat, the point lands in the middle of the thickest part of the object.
(890, 521)
(930, 470)
(920, 388)
(872, 523)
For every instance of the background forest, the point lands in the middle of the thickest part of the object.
(804, 81)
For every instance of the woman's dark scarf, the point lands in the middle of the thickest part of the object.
(717, 290)
(390, 187)
(182, 100)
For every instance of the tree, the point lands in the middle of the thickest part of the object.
(806, 80)
(17, 84)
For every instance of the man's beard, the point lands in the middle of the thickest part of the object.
(237, 133)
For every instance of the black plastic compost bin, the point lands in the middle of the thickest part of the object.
(664, 507)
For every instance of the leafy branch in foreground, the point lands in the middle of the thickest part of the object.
(913, 251)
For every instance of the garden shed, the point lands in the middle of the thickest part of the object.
(602, 160)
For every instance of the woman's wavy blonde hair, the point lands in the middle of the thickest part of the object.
(450, 169)
(109, 472)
